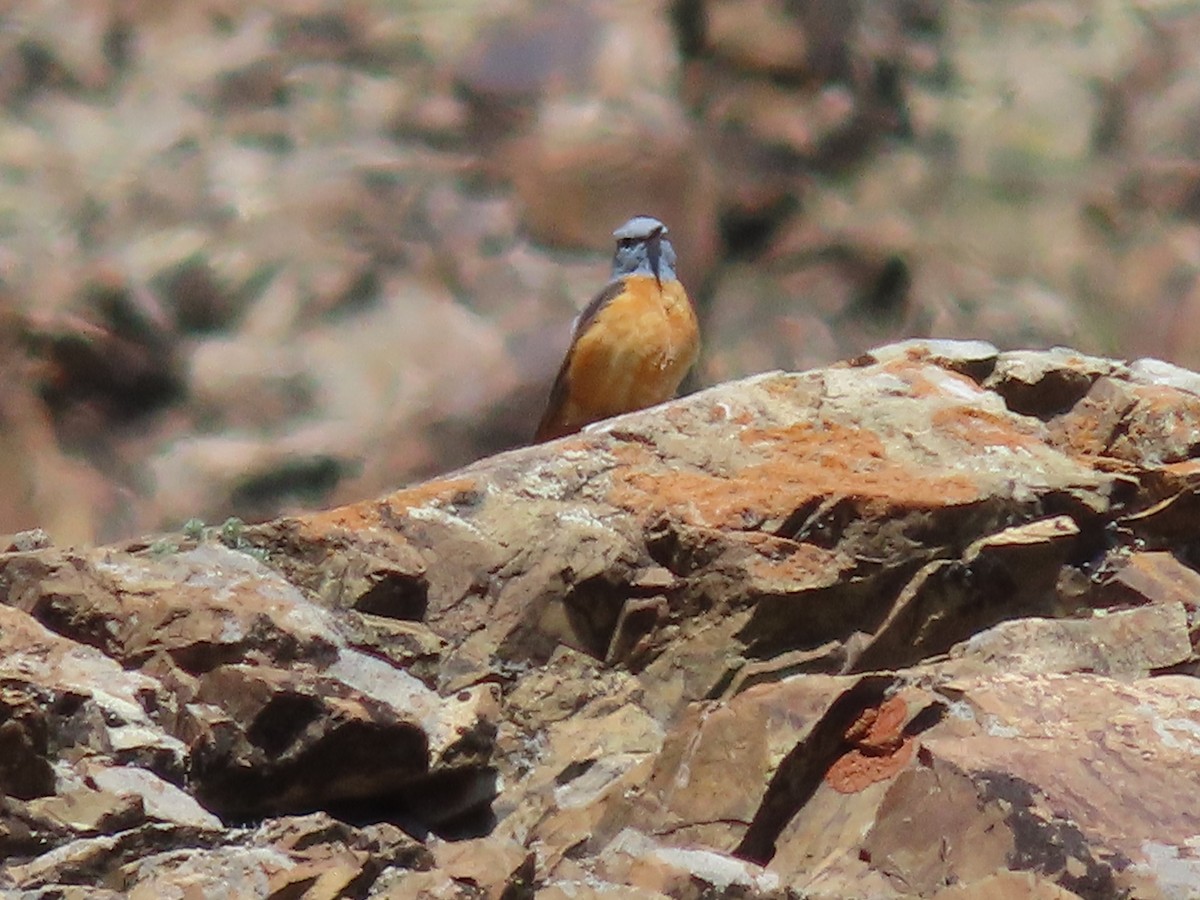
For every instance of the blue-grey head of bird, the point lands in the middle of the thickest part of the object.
(642, 249)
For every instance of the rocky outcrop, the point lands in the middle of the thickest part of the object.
(921, 624)
(264, 259)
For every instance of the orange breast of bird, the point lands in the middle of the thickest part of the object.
(633, 354)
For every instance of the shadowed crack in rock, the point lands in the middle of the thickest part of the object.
(802, 770)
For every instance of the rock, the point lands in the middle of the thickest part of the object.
(91, 860)
(90, 703)
(899, 627)
(231, 719)
(1131, 421)
(271, 388)
(581, 163)
(116, 352)
(975, 359)
(1046, 384)
(633, 858)
(488, 865)
(1036, 800)
(1123, 644)
(577, 159)
(1005, 885)
(1155, 371)
(89, 811)
(51, 490)
(160, 800)
(737, 30)
(34, 539)
(1151, 577)
(763, 641)
(249, 216)
(1000, 565)
(312, 856)
(26, 771)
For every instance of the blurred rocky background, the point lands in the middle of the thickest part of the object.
(254, 260)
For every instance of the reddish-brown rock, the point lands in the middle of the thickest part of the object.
(264, 261)
(900, 627)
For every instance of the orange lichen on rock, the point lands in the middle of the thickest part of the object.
(370, 514)
(879, 750)
(789, 561)
(979, 428)
(631, 453)
(1084, 437)
(912, 370)
(823, 436)
(796, 464)
(719, 413)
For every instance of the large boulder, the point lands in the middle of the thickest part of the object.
(920, 624)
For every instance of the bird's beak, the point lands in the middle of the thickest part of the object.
(654, 254)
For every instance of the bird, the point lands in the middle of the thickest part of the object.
(633, 344)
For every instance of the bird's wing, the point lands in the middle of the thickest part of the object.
(548, 428)
(611, 292)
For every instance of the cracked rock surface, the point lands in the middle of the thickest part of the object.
(920, 624)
